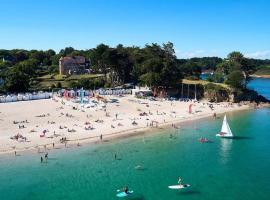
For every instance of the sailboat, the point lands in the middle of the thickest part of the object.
(225, 130)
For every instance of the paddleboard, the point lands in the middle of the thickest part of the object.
(123, 194)
(178, 187)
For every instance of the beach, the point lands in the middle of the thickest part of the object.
(259, 76)
(42, 125)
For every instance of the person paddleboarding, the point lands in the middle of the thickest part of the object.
(124, 192)
(179, 186)
(179, 181)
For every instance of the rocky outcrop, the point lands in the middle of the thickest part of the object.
(216, 93)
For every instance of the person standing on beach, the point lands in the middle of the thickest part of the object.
(101, 137)
(53, 145)
(15, 153)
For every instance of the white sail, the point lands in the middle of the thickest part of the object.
(225, 130)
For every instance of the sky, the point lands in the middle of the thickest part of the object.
(196, 27)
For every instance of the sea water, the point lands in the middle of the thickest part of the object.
(222, 169)
(261, 85)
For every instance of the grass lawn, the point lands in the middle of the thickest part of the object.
(83, 76)
(46, 81)
(203, 82)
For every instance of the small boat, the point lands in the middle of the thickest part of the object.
(225, 130)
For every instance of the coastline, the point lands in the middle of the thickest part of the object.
(259, 76)
(138, 130)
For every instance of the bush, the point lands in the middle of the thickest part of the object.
(73, 84)
(87, 83)
(107, 85)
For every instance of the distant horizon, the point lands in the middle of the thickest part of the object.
(197, 28)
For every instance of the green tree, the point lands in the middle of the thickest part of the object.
(236, 79)
(66, 51)
(235, 56)
(159, 67)
(16, 80)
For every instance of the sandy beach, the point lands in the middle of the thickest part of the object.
(53, 123)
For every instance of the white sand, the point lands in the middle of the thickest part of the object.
(164, 112)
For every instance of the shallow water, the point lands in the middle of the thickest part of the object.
(224, 169)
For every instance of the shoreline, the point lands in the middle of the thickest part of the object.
(136, 131)
(260, 76)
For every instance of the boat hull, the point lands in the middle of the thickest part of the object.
(224, 136)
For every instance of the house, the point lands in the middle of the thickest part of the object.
(73, 65)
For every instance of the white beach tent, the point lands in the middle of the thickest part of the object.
(47, 95)
(30, 96)
(2, 99)
(14, 98)
(41, 95)
(34, 96)
(20, 97)
(8, 98)
(26, 97)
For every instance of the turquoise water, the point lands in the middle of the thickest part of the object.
(261, 85)
(205, 76)
(224, 169)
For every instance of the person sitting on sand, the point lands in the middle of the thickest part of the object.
(134, 123)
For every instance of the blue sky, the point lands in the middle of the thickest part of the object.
(196, 27)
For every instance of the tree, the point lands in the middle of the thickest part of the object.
(159, 67)
(16, 80)
(98, 58)
(236, 79)
(28, 67)
(66, 51)
(223, 67)
(235, 56)
(20, 55)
